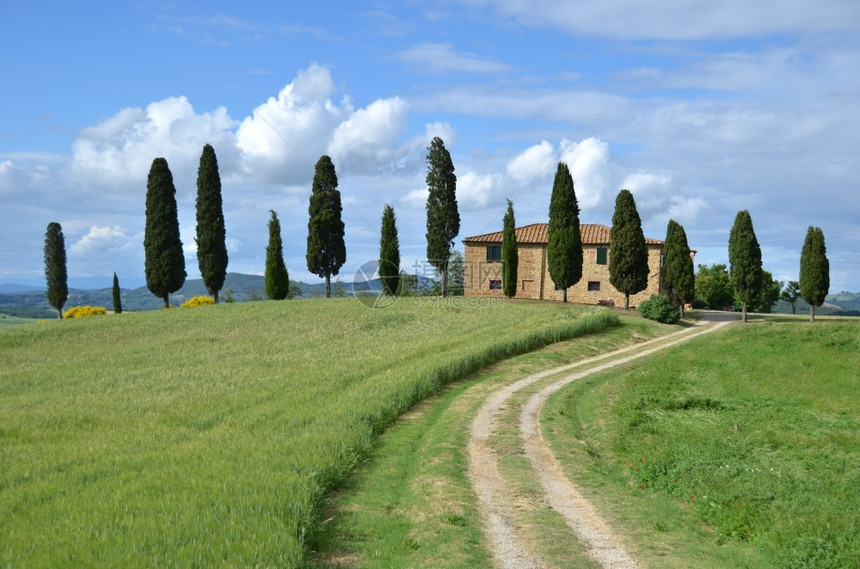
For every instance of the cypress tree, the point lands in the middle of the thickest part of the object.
(510, 254)
(628, 253)
(564, 247)
(277, 280)
(326, 251)
(814, 270)
(117, 298)
(165, 261)
(211, 233)
(745, 271)
(443, 217)
(679, 279)
(389, 253)
(55, 267)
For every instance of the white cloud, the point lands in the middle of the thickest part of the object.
(441, 58)
(477, 191)
(534, 162)
(365, 141)
(286, 135)
(118, 152)
(686, 20)
(590, 168)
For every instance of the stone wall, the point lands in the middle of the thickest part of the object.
(534, 281)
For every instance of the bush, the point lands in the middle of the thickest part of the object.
(197, 301)
(81, 311)
(661, 309)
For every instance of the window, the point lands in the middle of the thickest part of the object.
(601, 255)
(494, 253)
(593, 286)
(495, 284)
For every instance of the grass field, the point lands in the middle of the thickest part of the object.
(738, 450)
(6, 320)
(207, 437)
(741, 450)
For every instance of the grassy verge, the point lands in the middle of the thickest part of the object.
(741, 449)
(208, 436)
(411, 504)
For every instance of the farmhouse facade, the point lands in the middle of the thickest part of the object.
(483, 264)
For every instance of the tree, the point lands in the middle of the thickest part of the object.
(745, 260)
(389, 252)
(790, 294)
(211, 234)
(628, 254)
(510, 255)
(768, 294)
(117, 298)
(277, 280)
(165, 261)
(326, 252)
(456, 276)
(55, 267)
(679, 280)
(564, 247)
(713, 286)
(443, 218)
(814, 270)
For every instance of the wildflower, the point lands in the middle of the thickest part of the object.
(692, 497)
(643, 460)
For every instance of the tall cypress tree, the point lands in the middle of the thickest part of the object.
(117, 297)
(277, 280)
(745, 271)
(814, 270)
(510, 254)
(628, 253)
(211, 233)
(326, 252)
(55, 267)
(443, 217)
(165, 261)
(679, 278)
(389, 252)
(564, 247)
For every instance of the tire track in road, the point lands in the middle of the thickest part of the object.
(510, 549)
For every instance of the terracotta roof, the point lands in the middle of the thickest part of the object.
(536, 233)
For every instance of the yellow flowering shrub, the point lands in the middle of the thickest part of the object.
(197, 301)
(81, 311)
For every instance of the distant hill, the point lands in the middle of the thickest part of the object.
(842, 304)
(26, 301)
(11, 288)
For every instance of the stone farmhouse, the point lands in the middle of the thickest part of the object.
(483, 267)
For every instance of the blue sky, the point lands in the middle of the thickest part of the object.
(700, 112)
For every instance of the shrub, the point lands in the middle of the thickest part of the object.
(81, 311)
(661, 309)
(197, 301)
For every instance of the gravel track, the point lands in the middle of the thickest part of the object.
(510, 549)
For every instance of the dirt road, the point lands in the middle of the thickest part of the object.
(511, 548)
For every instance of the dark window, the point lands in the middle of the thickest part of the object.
(593, 286)
(601, 256)
(495, 284)
(494, 253)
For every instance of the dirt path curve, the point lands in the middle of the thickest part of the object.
(510, 549)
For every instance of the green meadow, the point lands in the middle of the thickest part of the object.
(208, 436)
(740, 449)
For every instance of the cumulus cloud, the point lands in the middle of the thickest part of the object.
(118, 151)
(532, 163)
(365, 141)
(590, 168)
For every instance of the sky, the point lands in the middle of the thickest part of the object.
(701, 110)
